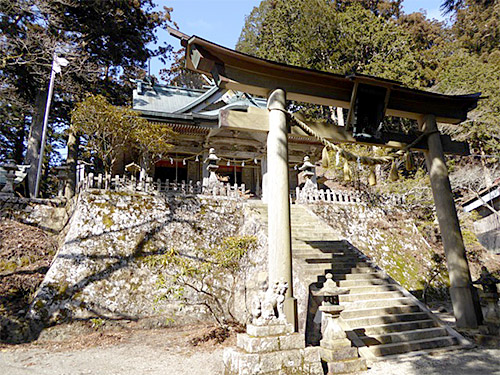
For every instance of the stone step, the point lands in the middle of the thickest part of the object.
(367, 321)
(306, 238)
(327, 258)
(364, 276)
(373, 289)
(410, 346)
(343, 272)
(350, 366)
(339, 271)
(312, 269)
(369, 296)
(366, 282)
(310, 229)
(383, 329)
(397, 337)
(398, 309)
(372, 303)
(319, 250)
(352, 271)
(341, 279)
(308, 243)
(313, 234)
(300, 239)
(303, 256)
(334, 245)
(376, 310)
(345, 259)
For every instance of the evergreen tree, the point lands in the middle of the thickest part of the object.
(105, 41)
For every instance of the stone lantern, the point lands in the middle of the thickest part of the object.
(212, 167)
(308, 170)
(10, 168)
(62, 176)
(491, 297)
(335, 348)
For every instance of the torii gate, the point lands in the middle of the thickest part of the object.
(367, 98)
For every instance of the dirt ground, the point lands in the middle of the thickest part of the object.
(120, 351)
(123, 351)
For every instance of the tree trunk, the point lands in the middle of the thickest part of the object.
(34, 140)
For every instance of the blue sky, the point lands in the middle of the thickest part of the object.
(221, 21)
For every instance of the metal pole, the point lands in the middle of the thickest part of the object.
(44, 131)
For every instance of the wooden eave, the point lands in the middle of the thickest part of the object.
(238, 71)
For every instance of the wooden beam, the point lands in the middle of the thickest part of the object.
(237, 71)
(236, 141)
(255, 120)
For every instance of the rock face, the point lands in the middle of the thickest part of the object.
(390, 239)
(105, 267)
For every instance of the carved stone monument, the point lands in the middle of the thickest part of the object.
(270, 345)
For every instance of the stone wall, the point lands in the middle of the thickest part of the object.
(104, 267)
(50, 215)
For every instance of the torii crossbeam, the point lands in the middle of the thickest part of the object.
(368, 99)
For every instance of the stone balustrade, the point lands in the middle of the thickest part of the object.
(341, 197)
(148, 185)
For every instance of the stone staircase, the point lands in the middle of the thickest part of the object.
(381, 318)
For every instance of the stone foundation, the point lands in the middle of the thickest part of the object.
(272, 349)
(341, 358)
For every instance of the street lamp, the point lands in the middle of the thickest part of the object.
(57, 63)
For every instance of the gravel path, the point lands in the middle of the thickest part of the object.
(461, 362)
(167, 351)
(116, 360)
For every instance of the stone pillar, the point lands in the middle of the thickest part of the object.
(465, 307)
(204, 171)
(279, 232)
(263, 169)
(63, 177)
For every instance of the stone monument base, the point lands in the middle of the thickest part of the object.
(272, 349)
(340, 357)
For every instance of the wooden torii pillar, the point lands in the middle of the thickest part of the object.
(236, 71)
(465, 307)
